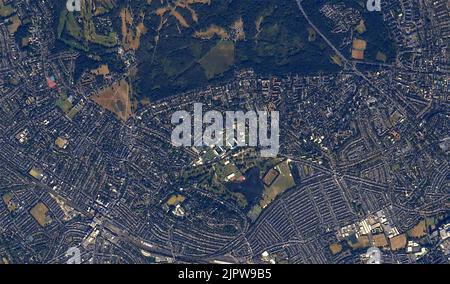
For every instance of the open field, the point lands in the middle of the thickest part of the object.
(283, 182)
(361, 27)
(380, 240)
(36, 173)
(72, 27)
(358, 48)
(101, 70)
(335, 248)
(8, 200)
(64, 104)
(419, 230)
(116, 99)
(6, 10)
(219, 59)
(270, 176)
(212, 31)
(398, 242)
(39, 213)
(175, 199)
(363, 242)
(171, 9)
(15, 24)
(238, 27)
(76, 34)
(359, 44)
(131, 39)
(61, 142)
(103, 6)
(181, 20)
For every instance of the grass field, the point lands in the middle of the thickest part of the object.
(80, 34)
(103, 6)
(73, 112)
(6, 10)
(72, 26)
(116, 99)
(64, 104)
(283, 182)
(219, 59)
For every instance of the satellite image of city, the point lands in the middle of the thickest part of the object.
(206, 132)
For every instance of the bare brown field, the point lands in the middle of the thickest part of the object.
(171, 8)
(39, 213)
(363, 242)
(418, 230)
(211, 32)
(361, 27)
(398, 242)
(101, 70)
(116, 99)
(357, 54)
(335, 248)
(380, 240)
(238, 27)
(181, 20)
(14, 26)
(175, 199)
(258, 23)
(7, 199)
(359, 44)
(161, 11)
(131, 39)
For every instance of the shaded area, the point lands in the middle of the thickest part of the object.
(252, 187)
